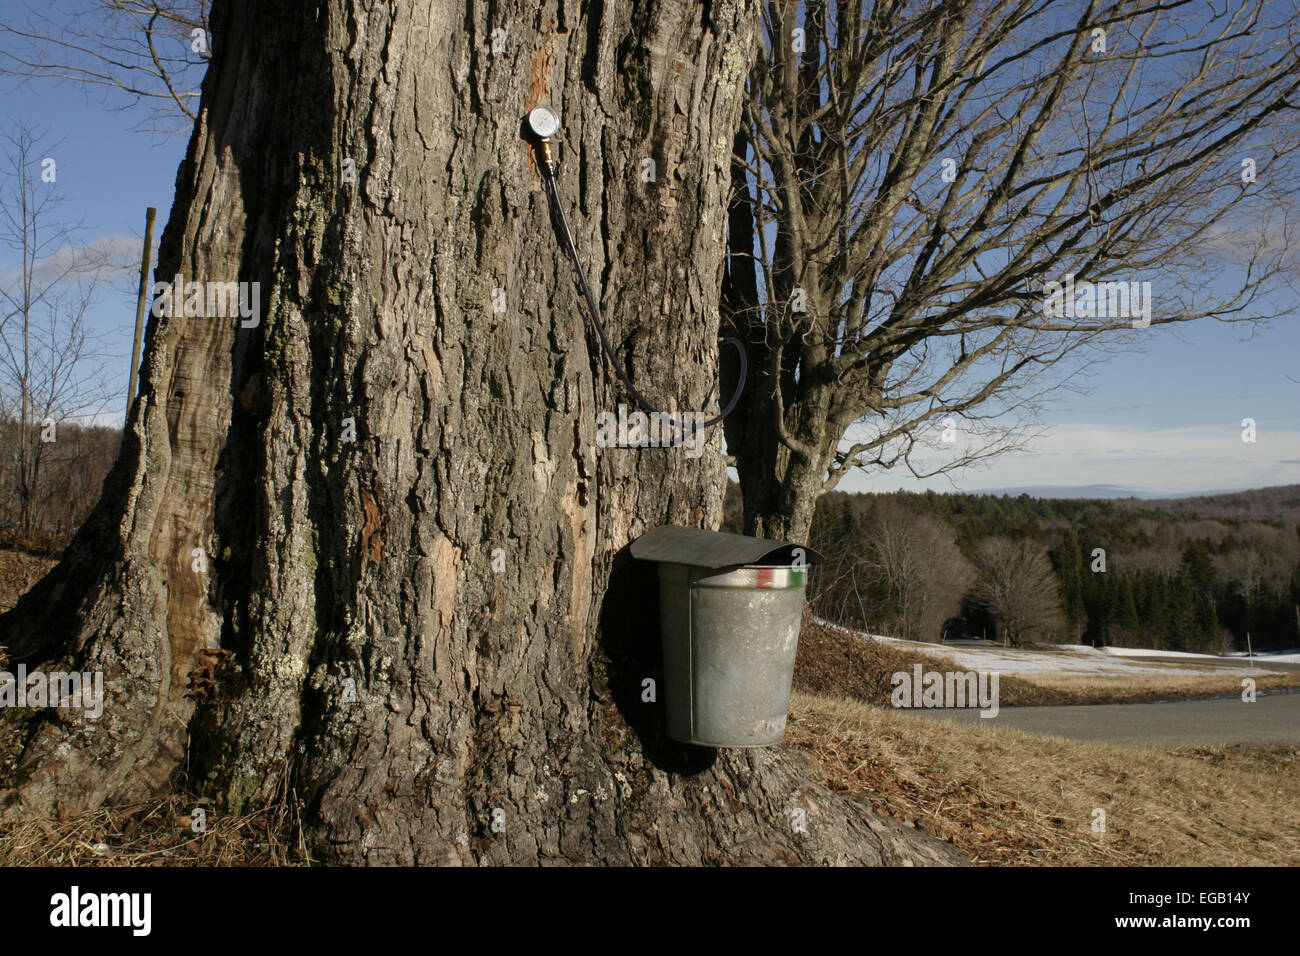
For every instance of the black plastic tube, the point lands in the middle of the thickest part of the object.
(562, 224)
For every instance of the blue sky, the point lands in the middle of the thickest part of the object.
(107, 175)
(1166, 420)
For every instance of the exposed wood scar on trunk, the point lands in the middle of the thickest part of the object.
(372, 531)
(544, 466)
(539, 83)
(447, 560)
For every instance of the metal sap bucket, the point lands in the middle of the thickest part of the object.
(729, 633)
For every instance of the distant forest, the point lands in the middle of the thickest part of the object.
(1194, 574)
(51, 475)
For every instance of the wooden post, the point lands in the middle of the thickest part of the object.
(139, 307)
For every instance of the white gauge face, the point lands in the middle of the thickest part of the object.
(543, 121)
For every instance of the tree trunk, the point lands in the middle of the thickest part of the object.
(779, 491)
(432, 632)
(779, 487)
(780, 482)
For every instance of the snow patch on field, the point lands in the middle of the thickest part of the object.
(1281, 657)
(1267, 657)
(1067, 659)
(1149, 652)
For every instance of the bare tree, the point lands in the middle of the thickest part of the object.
(156, 51)
(929, 195)
(73, 473)
(887, 568)
(914, 560)
(836, 588)
(1017, 585)
(50, 372)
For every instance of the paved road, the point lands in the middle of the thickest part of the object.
(1271, 719)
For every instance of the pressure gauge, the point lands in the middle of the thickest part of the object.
(544, 122)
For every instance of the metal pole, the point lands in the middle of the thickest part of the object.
(139, 307)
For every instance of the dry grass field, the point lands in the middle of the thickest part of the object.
(19, 570)
(1169, 682)
(1010, 798)
(156, 834)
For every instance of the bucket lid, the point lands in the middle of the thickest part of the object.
(715, 549)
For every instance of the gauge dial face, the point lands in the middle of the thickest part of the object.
(543, 121)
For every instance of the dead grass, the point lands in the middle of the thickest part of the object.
(832, 663)
(1010, 798)
(1175, 684)
(43, 543)
(158, 833)
(19, 570)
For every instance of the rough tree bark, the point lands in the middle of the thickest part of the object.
(341, 569)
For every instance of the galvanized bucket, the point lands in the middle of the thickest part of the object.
(729, 640)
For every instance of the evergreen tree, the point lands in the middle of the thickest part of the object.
(1067, 559)
(1124, 615)
(1203, 581)
(1181, 614)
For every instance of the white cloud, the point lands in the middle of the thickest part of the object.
(108, 257)
(1159, 461)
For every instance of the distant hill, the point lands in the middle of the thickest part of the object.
(1276, 503)
(1119, 491)
(1088, 491)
